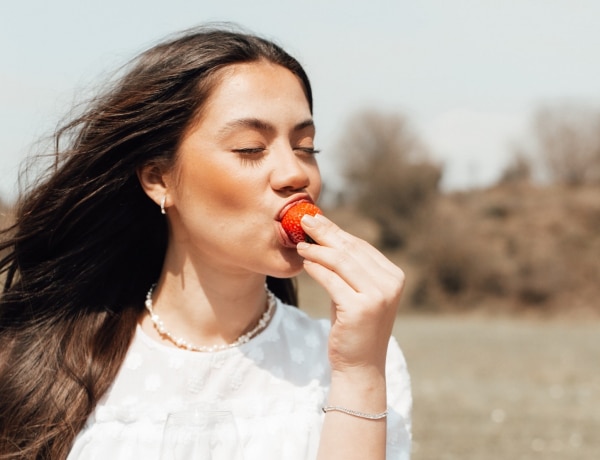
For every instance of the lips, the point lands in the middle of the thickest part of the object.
(284, 239)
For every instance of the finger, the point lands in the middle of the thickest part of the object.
(354, 264)
(342, 263)
(327, 233)
(367, 292)
(339, 291)
(358, 263)
(347, 306)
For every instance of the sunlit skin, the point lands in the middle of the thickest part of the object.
(249, 154)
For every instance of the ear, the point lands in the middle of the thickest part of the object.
(154, 180)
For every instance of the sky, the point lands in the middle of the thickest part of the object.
(467, 74)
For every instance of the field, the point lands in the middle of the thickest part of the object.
(491, 389)
(499, 388)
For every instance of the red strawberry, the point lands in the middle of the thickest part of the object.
(291, 221)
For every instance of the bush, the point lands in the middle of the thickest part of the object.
(388, 175)
(510, 248)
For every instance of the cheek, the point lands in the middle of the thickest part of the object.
(217, 187)
(315, 183)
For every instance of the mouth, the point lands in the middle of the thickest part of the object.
(284, 239)
(293, 202)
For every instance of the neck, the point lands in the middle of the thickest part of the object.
(207, 310)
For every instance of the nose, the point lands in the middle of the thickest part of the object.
(290, 171)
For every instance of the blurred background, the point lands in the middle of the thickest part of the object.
(461, 137)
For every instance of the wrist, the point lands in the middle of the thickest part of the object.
(361, 390)
(359, 377)
(354, 413)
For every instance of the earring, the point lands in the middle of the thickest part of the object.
(162, 205)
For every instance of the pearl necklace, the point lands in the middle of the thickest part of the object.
(181, 343)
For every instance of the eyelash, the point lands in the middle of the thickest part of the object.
(249, 151)
(255, 151)
(308, 150)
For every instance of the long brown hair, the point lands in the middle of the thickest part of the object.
(87, 242)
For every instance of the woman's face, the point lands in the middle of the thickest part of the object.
(249, 155)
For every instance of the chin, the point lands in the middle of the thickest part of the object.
(291, 265)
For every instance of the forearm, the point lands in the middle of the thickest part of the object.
(349, 437)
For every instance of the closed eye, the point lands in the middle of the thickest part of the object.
(308, 150)
(249, 151)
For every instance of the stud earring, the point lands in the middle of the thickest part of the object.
(162, 205)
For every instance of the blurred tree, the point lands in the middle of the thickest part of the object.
(519, 170)
(389, 176)
(568, 143)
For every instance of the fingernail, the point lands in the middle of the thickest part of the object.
(309, 220)
(302, 245)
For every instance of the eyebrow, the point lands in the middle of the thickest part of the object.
(260, 125)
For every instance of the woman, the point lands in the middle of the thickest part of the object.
(136, 274)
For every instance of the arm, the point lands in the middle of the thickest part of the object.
(365, 289)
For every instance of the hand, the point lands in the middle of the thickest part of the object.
(365, 289)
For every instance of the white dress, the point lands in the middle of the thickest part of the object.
(275, 386)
